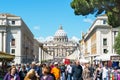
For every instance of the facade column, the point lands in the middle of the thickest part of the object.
(62, 52)
(45, 53)
(53, 55)
(7, 47)
(40, 55)
(65, 52)
(4, 43)
(57, 53)
(2, 40)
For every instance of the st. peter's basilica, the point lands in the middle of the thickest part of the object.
(61, 47)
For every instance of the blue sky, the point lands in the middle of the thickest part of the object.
(43, 17)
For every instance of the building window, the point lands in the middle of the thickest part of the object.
(114, 32)
(13, 51)
(105, 50)
(104, 21)
(13, 22)
(13, 42)
(104, 41)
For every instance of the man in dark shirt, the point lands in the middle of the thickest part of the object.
(77, 71)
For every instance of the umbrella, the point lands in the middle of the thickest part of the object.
(104, 57)
(82, 60)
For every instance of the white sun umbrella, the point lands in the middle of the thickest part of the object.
(104, 57)
(98, 58)
(83, 60)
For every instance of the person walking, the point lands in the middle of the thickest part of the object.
(46, 74)
(56, 71)
(69, 72)
(98, 72)
(86, 72)
(77, 71)
(104, 72)
(92, 69)
(22, 72)
(31, 75)
(63, 73)
(12, 74)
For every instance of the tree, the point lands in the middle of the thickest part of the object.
(117, 43)
(110, 7)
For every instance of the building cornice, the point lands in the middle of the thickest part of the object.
(87, 36)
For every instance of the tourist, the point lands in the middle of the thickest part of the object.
(22, 72)
(92, 69)
(63, 73)
(46, 74)
(69, 72)
(98, 72)
(12, 74)
(31, 75)
(56, 71)
(77, 71)
(86, 72)
(104, 72)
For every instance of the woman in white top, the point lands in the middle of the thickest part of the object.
(104, 72)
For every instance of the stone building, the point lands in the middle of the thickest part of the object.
(99, 39)
(16, 38)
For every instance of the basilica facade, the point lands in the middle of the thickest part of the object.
(60, 47)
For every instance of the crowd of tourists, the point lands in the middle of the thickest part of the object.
(60, 71)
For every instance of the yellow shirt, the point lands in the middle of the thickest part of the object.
(56, 72)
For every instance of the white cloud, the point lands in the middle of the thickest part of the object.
(75, 39)
(42, 39)
(36, 28)
(88, 20)
(49, 38)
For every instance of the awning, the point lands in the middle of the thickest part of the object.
(115, 58)
(6, 56)
(105, 57)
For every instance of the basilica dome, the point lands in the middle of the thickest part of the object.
(60, 32)
(60, 35)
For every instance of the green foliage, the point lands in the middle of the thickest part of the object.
(110, 7)
(113, 19)
(117, 43)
